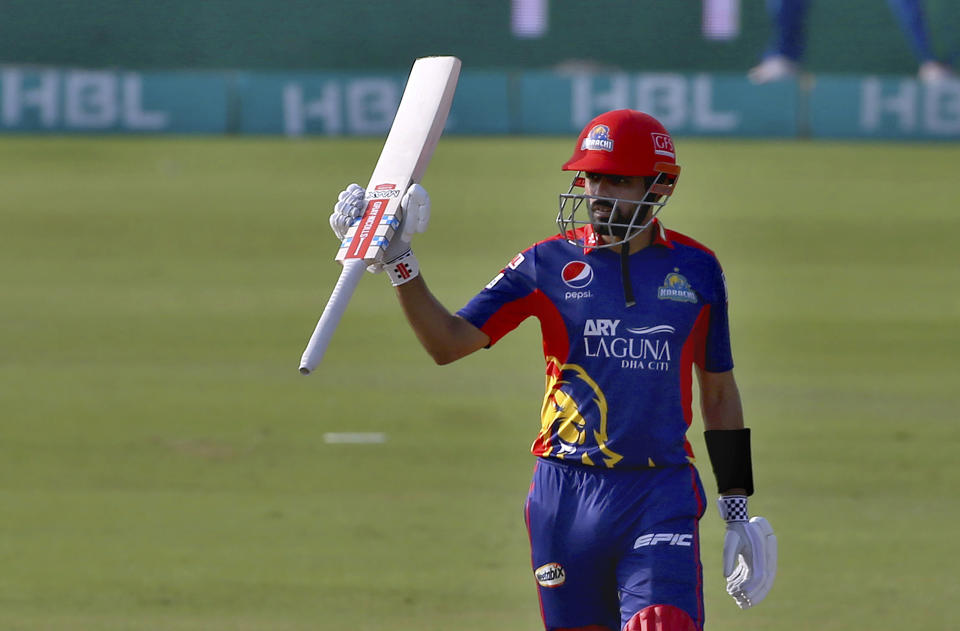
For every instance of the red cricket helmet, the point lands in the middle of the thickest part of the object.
(624, 142)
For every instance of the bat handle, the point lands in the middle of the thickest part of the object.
(349, 279)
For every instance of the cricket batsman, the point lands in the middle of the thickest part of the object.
(629, 311)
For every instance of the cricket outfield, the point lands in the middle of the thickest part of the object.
(163, 464)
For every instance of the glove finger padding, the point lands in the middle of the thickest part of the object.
(347, 210)
(354, 192)
(753, 577)
(416, 209)
(732, 548)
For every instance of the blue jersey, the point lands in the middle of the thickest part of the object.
(618, 378)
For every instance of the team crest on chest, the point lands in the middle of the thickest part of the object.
(676, 287)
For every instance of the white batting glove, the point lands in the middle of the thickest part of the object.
(749, 552)
(398, 259)
(347, 210)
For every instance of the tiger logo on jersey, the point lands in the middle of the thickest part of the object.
(565, 431)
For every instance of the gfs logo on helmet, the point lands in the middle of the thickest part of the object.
(663, 145)
(577, 274)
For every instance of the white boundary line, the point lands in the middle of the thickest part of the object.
(354, 438)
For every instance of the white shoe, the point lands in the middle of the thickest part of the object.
(773, 68)
(935, 72)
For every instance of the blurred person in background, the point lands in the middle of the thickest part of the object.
(627, 309)
(784, 55)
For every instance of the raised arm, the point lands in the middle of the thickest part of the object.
(447, 337)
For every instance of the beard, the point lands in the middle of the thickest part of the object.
(617, 222)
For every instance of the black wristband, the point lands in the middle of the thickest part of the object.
(729, 451)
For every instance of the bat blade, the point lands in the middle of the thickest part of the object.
(413, 137)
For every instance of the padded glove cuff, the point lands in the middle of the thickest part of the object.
(402, 269)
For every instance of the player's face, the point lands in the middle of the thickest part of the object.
(599, 185)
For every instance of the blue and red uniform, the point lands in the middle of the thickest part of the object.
(615, 500)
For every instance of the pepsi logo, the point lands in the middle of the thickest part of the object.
(577, 274)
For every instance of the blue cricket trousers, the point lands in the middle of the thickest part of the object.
(605, 543)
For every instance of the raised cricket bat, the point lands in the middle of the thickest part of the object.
(406, 153)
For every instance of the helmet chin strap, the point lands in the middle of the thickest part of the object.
(628, 297)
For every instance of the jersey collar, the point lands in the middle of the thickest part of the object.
(660, 235)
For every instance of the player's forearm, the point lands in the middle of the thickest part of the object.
(727, 440)
(445, 336)
(720, 401)
(725, 413)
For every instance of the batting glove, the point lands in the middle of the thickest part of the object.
(749, 552)
(399, 261)
(347, 210)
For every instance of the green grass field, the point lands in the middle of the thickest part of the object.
(162, 462)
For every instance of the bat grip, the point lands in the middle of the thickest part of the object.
(349, 279)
